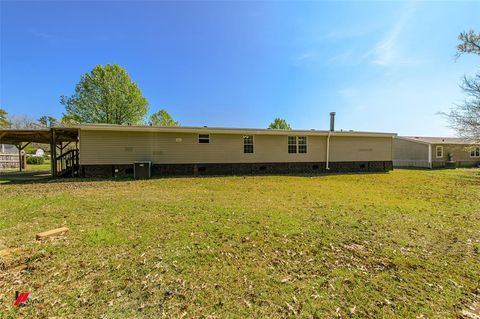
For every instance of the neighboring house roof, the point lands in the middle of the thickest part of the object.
(438, 140)
(223, 130)
(8, 149)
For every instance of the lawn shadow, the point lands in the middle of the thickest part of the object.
(46, 178)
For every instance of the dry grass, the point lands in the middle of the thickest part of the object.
(403, 244)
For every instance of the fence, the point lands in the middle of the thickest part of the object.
(8, 161)
(411, 163)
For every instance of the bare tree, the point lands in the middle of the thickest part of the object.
(465, 118)
(22, 122)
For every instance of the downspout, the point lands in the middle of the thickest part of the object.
(327, 167)
(430, 155)
(332, 129)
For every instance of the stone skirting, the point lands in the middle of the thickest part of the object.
(238, 169)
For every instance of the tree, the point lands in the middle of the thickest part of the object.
(470, 43)
(162, 118)
(106, 95)
(22, 122)
(48, 121)
(465, 118)
(4, 122)
(68, 120)
(279, 124)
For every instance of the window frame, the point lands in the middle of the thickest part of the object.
(475, 152)
(437, 148)
(289, 145)
(245, 137)
(303, 144)
(203, 138)
(297, 144)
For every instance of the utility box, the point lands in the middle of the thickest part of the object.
(142, 170)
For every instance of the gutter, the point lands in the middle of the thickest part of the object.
(213, 130)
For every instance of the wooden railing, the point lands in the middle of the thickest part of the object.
(67, 164)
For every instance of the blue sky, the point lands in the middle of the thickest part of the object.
(382, 66)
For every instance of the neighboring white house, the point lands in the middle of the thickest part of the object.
(39, 153)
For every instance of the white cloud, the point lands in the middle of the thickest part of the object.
(404, 105)
(304, 57)
(388, 51)
(338, 34)
(342, 58)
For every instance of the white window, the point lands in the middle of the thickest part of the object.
(439, 151)
(292, 144)
(248, 144)
(475, 152)
(204, 138)
(302, 144)
(297, 144)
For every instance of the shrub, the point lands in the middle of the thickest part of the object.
(35, 160)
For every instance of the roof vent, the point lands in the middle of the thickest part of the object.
(332, 121)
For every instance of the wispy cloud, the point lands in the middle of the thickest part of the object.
(42, 35)
(391, 102)
(345, 57)
(339, 34)
(304, 57)
(387, 51)
(49, 37)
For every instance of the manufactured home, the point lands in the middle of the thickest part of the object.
(113, 150)
(435, 152)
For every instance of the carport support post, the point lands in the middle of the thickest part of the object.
(53, 153)
(19, 147)
(21, 161)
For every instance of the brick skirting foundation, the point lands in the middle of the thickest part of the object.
(238, 169)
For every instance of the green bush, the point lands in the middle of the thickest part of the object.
(35, 160)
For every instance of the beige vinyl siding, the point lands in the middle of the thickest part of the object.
(119, 147)
(348, 149)
(461, 155)
(123, 147)
(409, 153)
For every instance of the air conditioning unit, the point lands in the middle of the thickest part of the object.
(142, 169)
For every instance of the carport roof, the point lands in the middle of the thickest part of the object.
(17, 136)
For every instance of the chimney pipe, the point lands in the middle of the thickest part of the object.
(332, 121)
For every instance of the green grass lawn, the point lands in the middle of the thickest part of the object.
(31, 167)
(39, 167)
(404, 244)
